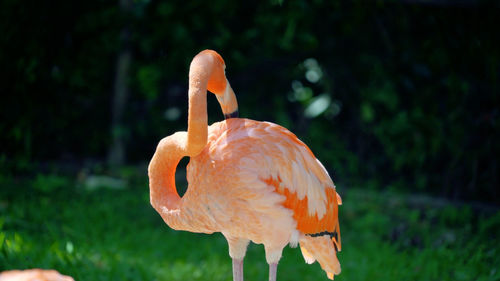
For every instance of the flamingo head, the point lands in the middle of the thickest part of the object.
(219, 85)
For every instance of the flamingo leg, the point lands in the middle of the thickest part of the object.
(273, 267)
(237, 270)
(237, 250)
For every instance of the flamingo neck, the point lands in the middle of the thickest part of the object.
(197, 115)
(161, 172)
(205, 73)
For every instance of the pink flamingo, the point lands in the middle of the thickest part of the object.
(33, 275)
(251, 181)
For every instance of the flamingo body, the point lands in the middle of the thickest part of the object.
(251, 181)
(258, 181)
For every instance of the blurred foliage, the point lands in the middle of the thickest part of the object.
(113, 235)
(386, 93)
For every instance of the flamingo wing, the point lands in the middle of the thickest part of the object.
(277, 158)
(311, 192)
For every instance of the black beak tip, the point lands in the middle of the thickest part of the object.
(234, 114)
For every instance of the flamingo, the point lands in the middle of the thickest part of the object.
(33, 275)
(250, 180)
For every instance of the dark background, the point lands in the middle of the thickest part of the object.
(389, 95)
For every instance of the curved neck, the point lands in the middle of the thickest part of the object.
(206, 73)
(172, 149)
(161, 172)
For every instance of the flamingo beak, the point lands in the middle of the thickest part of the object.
(228, 103)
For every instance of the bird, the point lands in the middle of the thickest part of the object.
(249, 180)
(33, 275)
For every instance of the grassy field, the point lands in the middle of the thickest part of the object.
(53, 222)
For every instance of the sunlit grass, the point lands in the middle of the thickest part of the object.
(116, 235)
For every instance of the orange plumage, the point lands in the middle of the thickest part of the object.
(251, 181)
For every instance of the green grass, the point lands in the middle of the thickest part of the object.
(115, 235)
